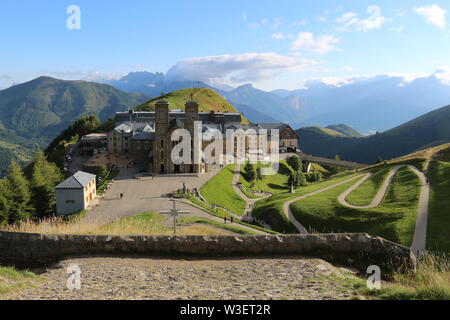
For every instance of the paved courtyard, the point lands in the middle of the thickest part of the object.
(147, 195)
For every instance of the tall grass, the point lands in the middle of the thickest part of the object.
(143, 224)
(431, 281)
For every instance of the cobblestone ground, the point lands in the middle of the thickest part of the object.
(133, 278)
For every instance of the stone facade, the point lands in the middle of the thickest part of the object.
(147, 136)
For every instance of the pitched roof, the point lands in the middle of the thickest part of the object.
(77, 181)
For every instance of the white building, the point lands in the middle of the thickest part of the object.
(76, 193)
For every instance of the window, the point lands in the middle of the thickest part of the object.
(162, 143)
(70, 201)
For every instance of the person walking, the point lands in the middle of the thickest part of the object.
(225, 219)
(232, 219)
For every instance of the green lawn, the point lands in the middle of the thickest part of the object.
(274, 184)
(438, 233)
(271, 209)
(219, 191)
(394, 219)
(364, 194)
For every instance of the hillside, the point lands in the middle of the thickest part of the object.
(345, 130)
(428, 130)
(208, 100)
(33, 113)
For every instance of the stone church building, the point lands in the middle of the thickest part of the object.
(146, 135)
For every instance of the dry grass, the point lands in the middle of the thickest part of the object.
(418, 156)
(144, 224)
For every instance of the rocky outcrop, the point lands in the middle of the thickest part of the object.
(356, 250)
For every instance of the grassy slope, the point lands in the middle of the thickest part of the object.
(219, 191)
(438, 235)
(365, 193)
(271, 209)
(272, 184)
(394, 219)
(12, 280)
(208, 100)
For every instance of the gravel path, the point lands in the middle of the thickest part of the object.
(420, 232)
(156, 279)
(287, 205)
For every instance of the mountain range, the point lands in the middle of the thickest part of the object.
(33, 113)
(368, 104)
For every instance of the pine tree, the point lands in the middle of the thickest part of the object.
(45, 177)
(250, 172)
(18, 192)
(5, 202)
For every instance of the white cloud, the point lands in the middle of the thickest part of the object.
(351, 22)
(443, 75)
(98, 76)
(433, 14)
(233, 69)
(278, 36)
(305, 41)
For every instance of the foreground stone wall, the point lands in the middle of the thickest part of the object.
(357, 250)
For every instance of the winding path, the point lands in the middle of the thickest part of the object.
(420, 232)
(249, 201)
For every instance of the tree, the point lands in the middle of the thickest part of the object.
(301, 180)
(5, 202)
(45, 177)
(18, 192)
(295, 163)
(102, 173)
(337, 157)
(249, 172)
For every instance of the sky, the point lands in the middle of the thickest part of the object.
(272, 44)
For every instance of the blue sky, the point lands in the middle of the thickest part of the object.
(273, 44)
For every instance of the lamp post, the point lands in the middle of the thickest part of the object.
(174, 212)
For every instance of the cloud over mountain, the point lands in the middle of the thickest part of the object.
(237, 68)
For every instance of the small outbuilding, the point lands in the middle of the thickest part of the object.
(76, 193)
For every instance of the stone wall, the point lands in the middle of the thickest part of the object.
(357, 250)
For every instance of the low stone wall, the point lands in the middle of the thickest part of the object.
(357, 250)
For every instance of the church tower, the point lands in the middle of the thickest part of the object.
(161, 156)
(192, 115)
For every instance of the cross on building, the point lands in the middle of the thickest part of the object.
(175, 213)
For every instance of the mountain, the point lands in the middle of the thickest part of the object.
(264, 102)
(425, 131)
(142, 82)
(33, 113)
(253, 115)
(368, 104)
(345, 130)
(152, 84)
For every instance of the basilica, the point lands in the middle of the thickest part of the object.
(146, 135)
